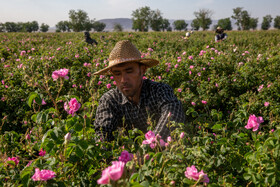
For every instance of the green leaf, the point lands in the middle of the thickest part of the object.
(38, 100)
(49, 146)
(34, 117)
(246, 176)
(217, 127)
(11, 162)
(145, 184)
(136, 184)
(79, 151)
(31, 97)
(83, 144)
(133, 177)
(78, 127)
(26, 171)
(159, 157)
(70, 123)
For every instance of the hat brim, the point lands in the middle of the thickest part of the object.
(148, 62)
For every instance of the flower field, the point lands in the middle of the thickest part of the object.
(230, 92)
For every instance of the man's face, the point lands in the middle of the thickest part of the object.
(128, 77)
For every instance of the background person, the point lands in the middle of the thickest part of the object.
(220, 34)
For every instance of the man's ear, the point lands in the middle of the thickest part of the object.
(143, 69)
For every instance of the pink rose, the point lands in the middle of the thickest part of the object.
(193, 103)
(254, 122)
(22, 53)
(43, 102)
(62, 73)
(20, 66)
(149, 135)
(15, 159)
(204, 102)
(147, 156)
(150, 139)
(42, 152)
(43, 175)
(67, 137)
(108, 86)
(182, 135)
(27, 137)
(179, 90)
(260, 88)
(169, 139)
(191, 173)
(125, 156)
(113, 172)
(266, 104)
(72, 107)
(162, 142)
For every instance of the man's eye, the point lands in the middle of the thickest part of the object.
(117, 74)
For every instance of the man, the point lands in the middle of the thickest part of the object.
(134, 100)
(221, 35)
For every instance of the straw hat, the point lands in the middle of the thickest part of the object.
(124, 51)
(219, 28)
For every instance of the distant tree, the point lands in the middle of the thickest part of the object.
(141, 19)
(118, 27)
(245, 20)
(156, 20)
(12, 27)
(225, 24)
(44, 27)
(79, 20)
(2, 27)
(21, 27)
(98, 26)
(237, 16)
(277, 22)
(164, 24)
(254, 23)
(88, 26)
(169, 29)
(35, 26)
(242, 18)
(266, 22)
(29, 26)
(204, 18)
(195, 24)
(180, 25)
(63, 26)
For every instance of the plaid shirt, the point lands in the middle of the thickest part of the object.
(156, 101)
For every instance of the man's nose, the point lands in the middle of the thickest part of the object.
(124, 77)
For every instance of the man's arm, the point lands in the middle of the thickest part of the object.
(106, 118)
(168, 103)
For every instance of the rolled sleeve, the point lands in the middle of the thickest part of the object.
(168, 103)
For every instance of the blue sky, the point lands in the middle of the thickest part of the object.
(53, 11)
